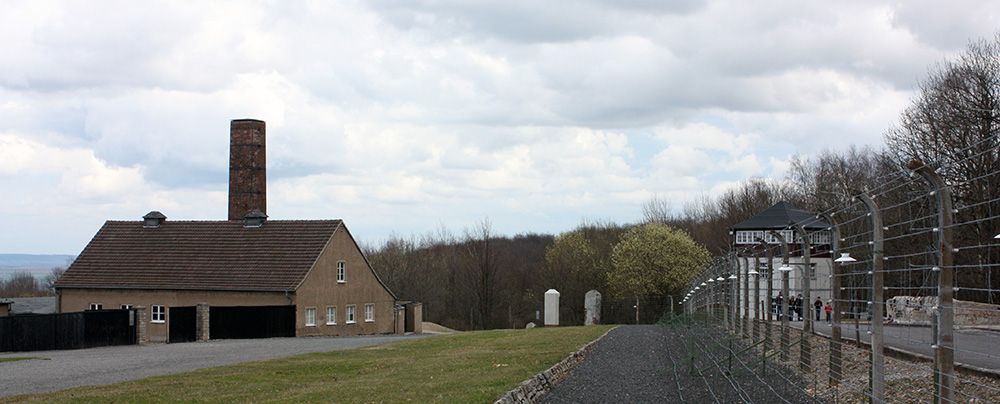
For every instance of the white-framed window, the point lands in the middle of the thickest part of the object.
(157, 313)
(341, 272)
(820, 238)
(369, 312)
(96, 306)
(126, 306)
(310, 316)
(331, 315)
(350, 314)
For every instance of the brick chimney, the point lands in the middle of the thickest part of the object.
(247, 170)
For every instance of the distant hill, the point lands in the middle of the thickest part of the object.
(37, 264)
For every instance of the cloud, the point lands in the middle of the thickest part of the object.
(399, 116)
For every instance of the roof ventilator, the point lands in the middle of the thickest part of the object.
(254, 218)
(153, 220)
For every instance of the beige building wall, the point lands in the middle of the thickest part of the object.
(321, 289)
(73, 300)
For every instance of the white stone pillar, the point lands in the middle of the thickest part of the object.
(592, 306)
(551, 308)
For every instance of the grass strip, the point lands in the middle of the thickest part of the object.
(17, 358)
(465, 367)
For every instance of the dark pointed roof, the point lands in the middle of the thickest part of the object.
(780, 216)
(200, 255)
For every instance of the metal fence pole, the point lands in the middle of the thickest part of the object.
(784, 303)
(944, 356)
(756, 298)
(877, 303)
(734, 289)
(746, 298)
(805, 351)
(836, 367)
(770, 289)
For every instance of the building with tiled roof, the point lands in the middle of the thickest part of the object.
(750, 236)
(312, 268)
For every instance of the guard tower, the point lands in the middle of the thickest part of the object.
(781, 218)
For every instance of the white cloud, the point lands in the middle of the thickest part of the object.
(398, 116)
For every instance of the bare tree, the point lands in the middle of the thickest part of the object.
(49, 282)
(21, 284)
(482, 270)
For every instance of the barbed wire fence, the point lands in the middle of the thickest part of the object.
(909, 270)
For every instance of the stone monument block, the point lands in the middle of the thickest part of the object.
(551, 308)
(592, 307)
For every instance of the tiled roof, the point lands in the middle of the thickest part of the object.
(780, 216)
(200, 255)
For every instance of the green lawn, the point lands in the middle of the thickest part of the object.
(465, 367)
(16, 358)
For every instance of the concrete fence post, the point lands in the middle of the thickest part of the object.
(805, 351)
(944, 355)
(770, 291)
(756, 297)
(877, 303)
(734, 264)
(784, 295)
(745, 329)
(836, 296)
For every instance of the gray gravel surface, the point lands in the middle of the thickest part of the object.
(57, 370)
(652, 363)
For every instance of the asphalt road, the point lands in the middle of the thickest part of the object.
(650, 364)
(58, 370)
(973, 347)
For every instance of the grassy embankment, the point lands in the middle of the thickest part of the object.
(465, 367)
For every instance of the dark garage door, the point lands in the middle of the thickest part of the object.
(182, 324)
(251, 322)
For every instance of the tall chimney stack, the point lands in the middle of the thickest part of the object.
(247, 170)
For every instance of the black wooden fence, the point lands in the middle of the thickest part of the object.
(251, 322)
(40, 332)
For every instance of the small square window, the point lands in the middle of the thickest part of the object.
(310, 317)
(369, 313)
(96, 306)
(126, 307)
(350, 314)
(341, 272)
(331, 315)
(158, 314)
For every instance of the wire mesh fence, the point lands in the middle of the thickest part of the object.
(891, 296)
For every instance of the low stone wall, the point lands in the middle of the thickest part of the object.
(913, 310)
(532, 390)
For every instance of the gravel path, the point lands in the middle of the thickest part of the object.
(651, 363)
(57, 370)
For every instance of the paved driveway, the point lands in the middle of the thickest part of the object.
(81, 367)
(972, 347)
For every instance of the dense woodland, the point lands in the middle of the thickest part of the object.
(479, 279)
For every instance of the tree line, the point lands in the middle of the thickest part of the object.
(483, 280)
(24, 284)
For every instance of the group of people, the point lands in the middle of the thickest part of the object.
(795, 304)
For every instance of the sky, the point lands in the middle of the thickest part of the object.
(403, 117)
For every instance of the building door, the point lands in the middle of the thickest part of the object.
(181, 323)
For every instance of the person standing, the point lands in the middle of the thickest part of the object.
(819, 305)
(829, 309)
(799, 306)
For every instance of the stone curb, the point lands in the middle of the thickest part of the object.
(533, 389)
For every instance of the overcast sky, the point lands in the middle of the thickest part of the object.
(403, 116)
